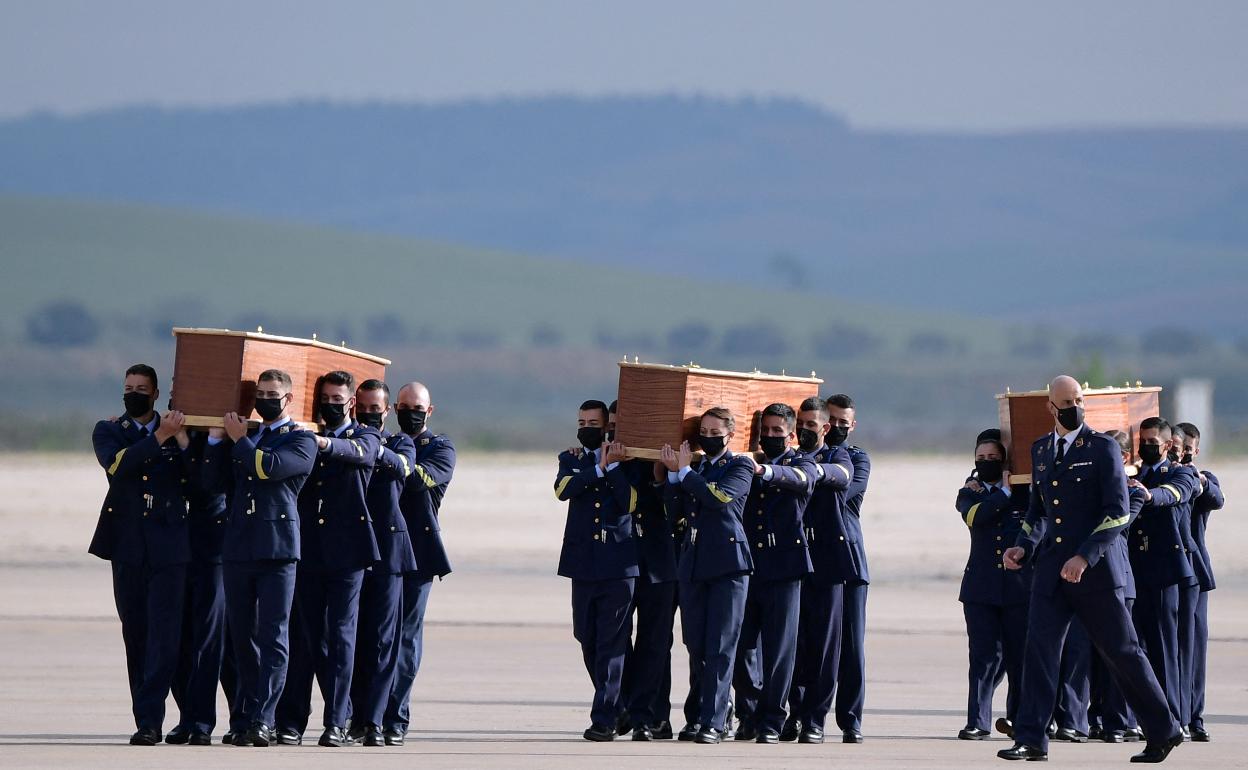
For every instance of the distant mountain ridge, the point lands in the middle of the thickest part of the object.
(777, 192)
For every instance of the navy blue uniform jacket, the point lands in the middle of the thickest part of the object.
(711, 499)
(422, 499)
(1157, 543)
(656, 546)
(143, 519)
(333, 508)
(598, 534)
(994, 520)
(836, 554)
(774, 516)
(1210, 500)
(393, 466)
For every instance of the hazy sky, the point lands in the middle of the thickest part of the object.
(939, 64)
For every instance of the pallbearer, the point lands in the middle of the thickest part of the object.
(381, 597)
(420, 503)
(715, 565)
(265, 469)
(782, 488)
(142, 530)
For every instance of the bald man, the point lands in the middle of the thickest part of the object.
(1079, 507)
(419, 502)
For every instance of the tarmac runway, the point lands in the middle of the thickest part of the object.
(502, 684)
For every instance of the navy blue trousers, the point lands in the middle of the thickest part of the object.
(851, 685)
(648, 665)
(149, 605)
(294, 708)
(1189, 598)
(767, 651)
(258, 595)
(1074, 682)
(710, 617)
(203, 648)
(819, 636)
(377, 646)
(1200, 656)
(996, 637)
(416, 589)
(329, 607)
(1108, 625)
(1156, 616)
(602, 622)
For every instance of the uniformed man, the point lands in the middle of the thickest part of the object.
(338, 545)
(714, 566)
(1160, 561)
(1079, 504)
(851, 687)
(647, 688)
(781, 489)
(420, 503)
(142, 531)
(203, 629)
(1210, 499)
(381, 597)
(266, 469)
(994, 600)
(600, 556)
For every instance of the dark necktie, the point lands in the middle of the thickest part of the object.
(1061, 450)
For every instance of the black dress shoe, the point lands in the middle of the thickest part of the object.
(356, 732)
(792, 728)
(229, 738)
(600, 733)
(196, 738)
(1095, 732)
(257, 735)
(334, 737)
(1132, 734)
(289, 736)
(689, 731)
(1154, 753)
(394, 736)
(145, 736)
(767, 735)
(810, 735)
(662, 731)
(969, 733)
(1023, 751)
(178, 735)
(1051, 730)
(745, 732)
(851, 736)
(1199, 734)
(729, 732)
(1113, 736)
(372, 736)
(1069, 735)
(643, 734)
(1005, 727)
(623, 725)
(1186, 735)
(709, 735)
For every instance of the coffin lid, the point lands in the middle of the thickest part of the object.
(1086, 392)
(695, 369)
(276, 338)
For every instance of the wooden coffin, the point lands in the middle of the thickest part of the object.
(660, 404)
(215, 370)
(1025, 417)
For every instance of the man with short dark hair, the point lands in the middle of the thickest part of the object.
(782, 487)
(600, 557)
(142, 530)
(715, 565)
(264, 470)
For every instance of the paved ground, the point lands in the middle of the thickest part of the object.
(502, 683)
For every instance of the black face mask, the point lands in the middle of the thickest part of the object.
(989, 471)
(808, 439)
(371, 419)
(1069, 418)
(137, 404)
(590, 438)
(268, 408)
(772, 446)
(1150, 454)
(711, 445)
(332, 414)
(1186, 459)
(411, 421)
(1173, 455)
(837, 435)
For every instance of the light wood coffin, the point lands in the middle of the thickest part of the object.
(660, 404)
(1025, 417)
(215, 371)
